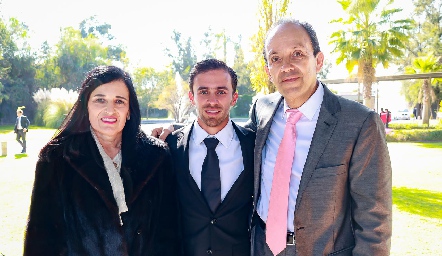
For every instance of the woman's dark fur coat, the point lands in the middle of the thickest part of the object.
(73, 210)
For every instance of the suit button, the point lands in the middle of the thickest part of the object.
(209, 252)
(138, 231)
(213, 221)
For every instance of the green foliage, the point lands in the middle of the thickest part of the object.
(244, 88)
(415, 135)
(17, 69)
(148, 85)
(410, 126)
(270, 11)
(416, 201)
(53, 106)
(430, 145)
(77, 52)
(6, 129)
(370, 36)
(242, 107)
(426, 93)
(183, 56)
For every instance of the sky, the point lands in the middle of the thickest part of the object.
(145, 27)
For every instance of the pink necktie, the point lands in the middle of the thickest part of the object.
(276, 225)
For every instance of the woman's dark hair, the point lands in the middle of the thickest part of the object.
(77, 121)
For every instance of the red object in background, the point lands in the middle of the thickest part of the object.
(384, 117)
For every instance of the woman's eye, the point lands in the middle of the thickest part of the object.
(119, 102)
(99, 100)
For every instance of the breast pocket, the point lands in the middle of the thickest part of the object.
(329, 171)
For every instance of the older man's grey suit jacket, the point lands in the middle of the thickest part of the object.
(344, 202)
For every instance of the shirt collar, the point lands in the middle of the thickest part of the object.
(225, 136)
(311, 106)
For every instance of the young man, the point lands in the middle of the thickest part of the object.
(21, 127)
(213, 160)
(333, 196)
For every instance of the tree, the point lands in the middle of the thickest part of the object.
(270, 11)
(429, 25)
(371, 37)
(426, 96)
(77, 52)
(17, 70)
(174, 97)
(183, 57)
(325, 70)
(148, 85)
(244, 87)
(427, 33)
(208, 45)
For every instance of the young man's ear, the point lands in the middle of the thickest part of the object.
(191, 98)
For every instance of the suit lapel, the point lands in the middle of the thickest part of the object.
(246, 144)
(265, 113)
(324, 129)
(183, 142)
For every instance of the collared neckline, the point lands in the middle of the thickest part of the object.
(311, 106)
(225, 136)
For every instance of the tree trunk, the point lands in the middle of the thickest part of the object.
(426, 102)
(367, 81)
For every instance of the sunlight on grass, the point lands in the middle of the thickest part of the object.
(416, 201)
(21, 155)
(430, 145)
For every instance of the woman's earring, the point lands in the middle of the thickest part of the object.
(128, 117)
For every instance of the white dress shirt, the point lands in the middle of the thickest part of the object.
(229, 154)
(19, 127)
(305, 128)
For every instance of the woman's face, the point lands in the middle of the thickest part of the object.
(108, 108)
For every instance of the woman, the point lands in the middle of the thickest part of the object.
(102, 187)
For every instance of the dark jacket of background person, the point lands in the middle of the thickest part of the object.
(229, 225)
(24, 123)
(73, 210)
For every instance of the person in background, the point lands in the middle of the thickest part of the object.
(102, 187)
(383, 116)
(387, 118)
(322, 167)
(213, 160)
(21, 128)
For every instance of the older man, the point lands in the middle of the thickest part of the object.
(322, 168)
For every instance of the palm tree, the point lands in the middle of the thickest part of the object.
(371, 37)
(425, 64)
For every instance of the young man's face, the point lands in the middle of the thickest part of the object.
(213, 96)
(19, 113)
(292, 67)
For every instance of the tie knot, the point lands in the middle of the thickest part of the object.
(293, 115)
(211, 143)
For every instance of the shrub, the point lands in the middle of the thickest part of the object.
(415, 135)
(53, 105)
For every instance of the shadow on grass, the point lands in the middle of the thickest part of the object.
(18, 156)
(422, 202)
(430, 145)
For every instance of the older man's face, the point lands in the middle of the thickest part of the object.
(292, 67)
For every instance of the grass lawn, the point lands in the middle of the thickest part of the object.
(417, 194)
